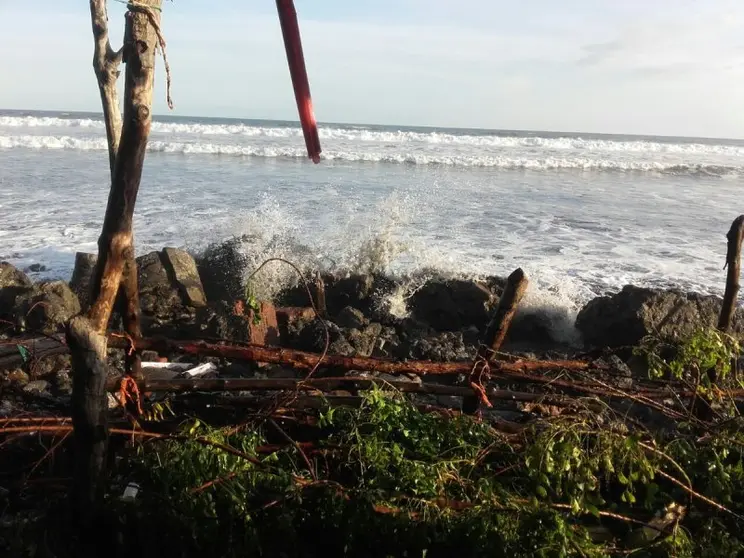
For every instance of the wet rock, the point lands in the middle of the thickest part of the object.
(353, 291)
(37, 386)
(13, 282)
(450, 305)
(6, 408)
(36, 268)
(82, 274)
(448, 346)
(291, 320)
(17, 377)
(223, 320)
(221, 269)
(388, 344)
(628, 316)
(312, 338)
(183, 272)
(63, 382)
(365, 340)
(51, 365)
(46, 307)
(350, 317)
(158, 297)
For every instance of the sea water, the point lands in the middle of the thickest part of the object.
(582, 214)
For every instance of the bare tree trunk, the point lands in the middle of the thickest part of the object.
(106, 67)
(86, 336)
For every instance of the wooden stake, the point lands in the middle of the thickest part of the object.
(733, 261)
(516, 285)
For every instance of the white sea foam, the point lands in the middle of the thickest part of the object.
(535, 163)
(367, 135)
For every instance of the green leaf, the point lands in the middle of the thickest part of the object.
(25, 355)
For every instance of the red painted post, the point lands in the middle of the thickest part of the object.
(296, 60)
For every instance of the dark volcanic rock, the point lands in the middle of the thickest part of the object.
(170, 291)
(183, 274)
(13, 282)
(351, 318)
(628, 316)
(452, 305)
(46, 307)
(221, 268)
(365, 340)
(448, 346)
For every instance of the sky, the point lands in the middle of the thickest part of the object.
(667, 67)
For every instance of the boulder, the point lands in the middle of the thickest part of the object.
(223, 320)
(441, 347)
(451, 305)
(351, 318)
(183, 273)
(170, 291)
(46, 307)
(82, 274)
(626, 317)
(13, 282)
(364, 340)
(221, 269)
(159, 297)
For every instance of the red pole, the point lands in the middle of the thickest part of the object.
(296, 60)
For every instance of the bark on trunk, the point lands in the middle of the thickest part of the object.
(89, 408)
(733, 261)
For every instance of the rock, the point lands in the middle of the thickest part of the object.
(351, 318)
(63, 382)
(158, 297)
(443, 347)
(17, 377)
(221, 269)
(450, 305)
(364, 341)
(51, 365)
(36, 268)
(182, 270)
(220, 320)
(353, 291)
(37, 386)
(388, 344)
(82, 274)
(6, 408)
(291, 320)
(46, 307)
(628, 316)
(13, 283)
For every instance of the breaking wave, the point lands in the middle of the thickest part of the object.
(537, 163)
(363, 134)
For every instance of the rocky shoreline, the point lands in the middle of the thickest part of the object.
(187, 297)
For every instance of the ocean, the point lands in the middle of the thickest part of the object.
(582, 214)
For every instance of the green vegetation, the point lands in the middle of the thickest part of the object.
(386, 479)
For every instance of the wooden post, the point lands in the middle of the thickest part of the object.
(86, 335)
(516, 285)
(733, 261)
